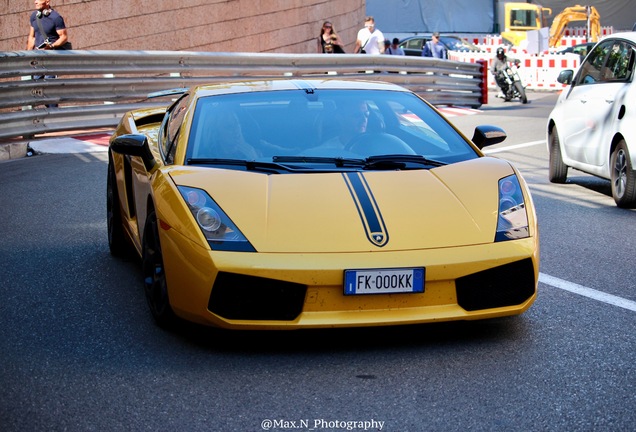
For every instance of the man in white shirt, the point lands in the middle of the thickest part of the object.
(370, 40)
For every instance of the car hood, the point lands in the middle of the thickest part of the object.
(453, 205)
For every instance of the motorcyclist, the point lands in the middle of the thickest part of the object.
(498, 65)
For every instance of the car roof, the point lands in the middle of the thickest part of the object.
(630, 36)
(293, 84)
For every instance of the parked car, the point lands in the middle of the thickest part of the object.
(413, 45)
(580, 49)
(591, 128)
(300, 203)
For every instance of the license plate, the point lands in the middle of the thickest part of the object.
(384, 281)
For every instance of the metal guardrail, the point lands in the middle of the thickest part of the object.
(94, 88)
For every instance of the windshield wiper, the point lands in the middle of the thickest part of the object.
(337, 161)
(399, 161)
(280, 163)
(248, 164)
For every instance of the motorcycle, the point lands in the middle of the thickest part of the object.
(515, 89)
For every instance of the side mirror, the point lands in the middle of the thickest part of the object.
(486, 135)
(565, 77)
(134, 145)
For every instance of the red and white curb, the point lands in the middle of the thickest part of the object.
(457, 111)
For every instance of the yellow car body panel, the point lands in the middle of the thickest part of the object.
(275, 211)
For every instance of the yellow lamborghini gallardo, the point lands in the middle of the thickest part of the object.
(298, 203)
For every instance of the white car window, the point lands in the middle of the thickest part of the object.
(611, 60)
(620, 62)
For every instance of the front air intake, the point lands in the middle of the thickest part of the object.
(240, 297)
(507, 285)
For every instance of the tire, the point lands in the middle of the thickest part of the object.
(154, 273)
(521, 91)
(558, 171)
(117, 242)
(623, 177)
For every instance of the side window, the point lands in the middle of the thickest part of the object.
(590, 72)
(173, 127)
(619, 62)
(415, 44)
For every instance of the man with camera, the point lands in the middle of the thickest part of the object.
(47, 32)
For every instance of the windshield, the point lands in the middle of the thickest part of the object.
(322, 127)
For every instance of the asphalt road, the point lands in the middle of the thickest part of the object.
(80, 352)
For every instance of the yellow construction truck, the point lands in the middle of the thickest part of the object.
(519, 18)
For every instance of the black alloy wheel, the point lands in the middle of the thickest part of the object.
(154, 273)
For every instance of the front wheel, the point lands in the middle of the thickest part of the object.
(623, 177)
(521, 91)
(154, 274)
(557, 171)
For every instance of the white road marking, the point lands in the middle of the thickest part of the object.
(513, 147)
(587, 292)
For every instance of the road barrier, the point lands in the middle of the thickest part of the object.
(94, 88)
(537, 72)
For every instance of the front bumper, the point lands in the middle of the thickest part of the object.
(290, 291)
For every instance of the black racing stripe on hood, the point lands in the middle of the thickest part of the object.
(368, 209)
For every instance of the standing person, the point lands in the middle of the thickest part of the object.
(370, 40)
(329, 42)
(393, 48)
(48, 30)
(435, 48)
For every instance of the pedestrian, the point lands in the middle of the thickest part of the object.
(329, 42)
(394, 48)
(435, 48)
(48, 30)
(370, 40)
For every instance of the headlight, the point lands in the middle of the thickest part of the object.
(512, 221)
(218, 229)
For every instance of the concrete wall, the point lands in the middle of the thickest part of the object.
(277, 26)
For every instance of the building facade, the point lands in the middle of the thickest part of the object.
(273, 26)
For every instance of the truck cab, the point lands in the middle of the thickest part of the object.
(519, 18)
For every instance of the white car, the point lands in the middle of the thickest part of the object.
(592, 127)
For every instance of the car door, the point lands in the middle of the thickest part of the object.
(616, 76)
(588, 110)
